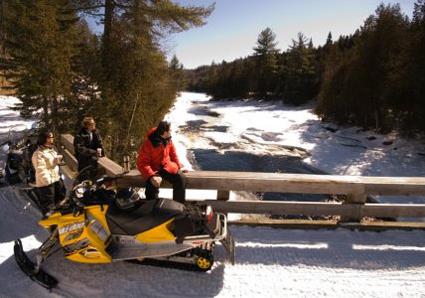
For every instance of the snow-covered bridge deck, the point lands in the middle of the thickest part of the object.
(269, 263)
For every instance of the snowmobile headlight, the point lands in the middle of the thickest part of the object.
(79, 192)
(73, 235)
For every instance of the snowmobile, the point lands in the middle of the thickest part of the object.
(18, 168)
(96, 224)
(15, 171)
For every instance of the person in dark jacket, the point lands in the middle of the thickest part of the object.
(158, 160)
(88, 148)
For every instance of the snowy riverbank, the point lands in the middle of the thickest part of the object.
(272, 137)
(270, 128)
(269, 262)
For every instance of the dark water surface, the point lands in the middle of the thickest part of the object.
(212, 160)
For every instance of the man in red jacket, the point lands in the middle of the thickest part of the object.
(158, 160)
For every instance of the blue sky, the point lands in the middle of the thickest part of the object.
(233, 27)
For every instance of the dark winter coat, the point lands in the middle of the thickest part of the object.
(155, 154)
(86, 149)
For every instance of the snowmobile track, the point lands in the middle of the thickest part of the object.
(168, 264)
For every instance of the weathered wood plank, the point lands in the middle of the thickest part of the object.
(317, 208)
(111, 168)
(294, 183)
(67, 141)
(393, 210)
(223, 195)
(329, 224)
(279, 182)
(281, 208)
(70, 160)
(356, 199)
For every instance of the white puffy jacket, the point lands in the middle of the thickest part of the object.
(46, 166)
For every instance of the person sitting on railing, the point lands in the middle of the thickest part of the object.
(50, 187)
(158, 160)
(88, 148)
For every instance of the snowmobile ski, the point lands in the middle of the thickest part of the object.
(229, 246)
(31, 269)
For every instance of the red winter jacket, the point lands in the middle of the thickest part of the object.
(152, 158)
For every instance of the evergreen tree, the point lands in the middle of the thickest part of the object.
(411, 103)
(370, 72)
(177, 73)
(265, 52)
(299, 72)
(329, 40)
(39, 44)
(136, 84)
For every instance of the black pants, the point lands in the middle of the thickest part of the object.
(179, 186)
(90, 170)
(50, 195)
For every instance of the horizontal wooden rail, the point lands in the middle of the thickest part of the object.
(67, 148)
(318, 209)
(355, 189)
(293, 183)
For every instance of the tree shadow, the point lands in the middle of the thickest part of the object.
(203, 111)
(255, 105)
(19, 216)
(330, 248)
(111, 280)
(337, 151)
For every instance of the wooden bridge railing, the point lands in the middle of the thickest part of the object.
(354, 188)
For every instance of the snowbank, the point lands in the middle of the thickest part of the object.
(269, 262)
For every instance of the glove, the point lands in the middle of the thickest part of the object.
(156, 181)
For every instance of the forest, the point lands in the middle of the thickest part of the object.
(61, 71)
(373, 78)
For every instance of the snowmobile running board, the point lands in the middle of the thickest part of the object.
(31, 269)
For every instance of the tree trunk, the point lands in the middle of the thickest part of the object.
(45, 111)
(107, 31)
(376, 120)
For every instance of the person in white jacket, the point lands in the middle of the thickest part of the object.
(46, 162)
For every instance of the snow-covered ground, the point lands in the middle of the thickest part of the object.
(269, 262)
(271, 137)
(270, 128)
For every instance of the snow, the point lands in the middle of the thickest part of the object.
(259, 136)
(348, 151)
(269, 262)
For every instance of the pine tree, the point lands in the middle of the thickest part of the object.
(411, 104)
(299, 72)
(265, 52)
(177, 73)
(40, 48)
(137, 86)
(329, 40)
(364, 86)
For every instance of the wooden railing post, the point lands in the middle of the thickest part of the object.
(223, 195)
(358, 200)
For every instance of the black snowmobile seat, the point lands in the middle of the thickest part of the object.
(143, 217)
